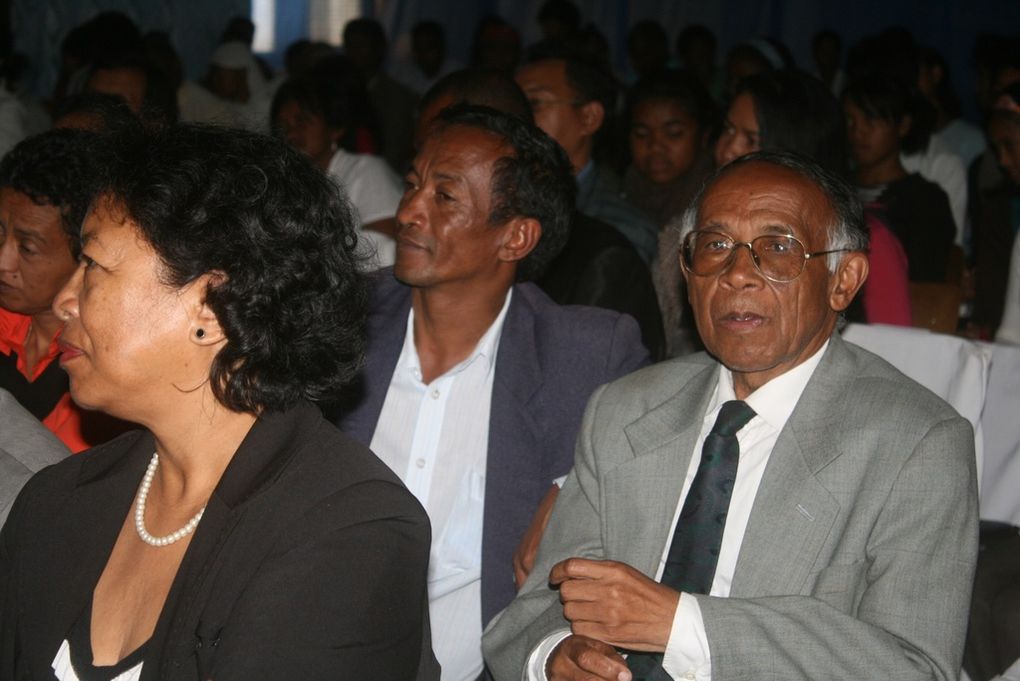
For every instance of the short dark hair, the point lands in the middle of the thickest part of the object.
(291, 300)
(160, 104)
(692, 33)
(848, 231)
(560, 11)
(796, 112)
(682, 87)
(484, 87)
(56, 168)
(318, 95)
(534, 181)
(589, 82)
(887, 97)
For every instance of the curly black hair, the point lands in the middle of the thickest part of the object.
(289, 296)
(56, 168)
(534, 181)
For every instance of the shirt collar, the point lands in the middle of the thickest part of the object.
(485, 350)
(774, 401)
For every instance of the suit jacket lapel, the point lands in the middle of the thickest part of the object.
(662, 441)
(793, 512)
(387, 323)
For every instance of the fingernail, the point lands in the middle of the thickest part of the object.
(623, 676)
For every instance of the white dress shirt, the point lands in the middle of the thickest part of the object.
(436, 438)
(687, 653)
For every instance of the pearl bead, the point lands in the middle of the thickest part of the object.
(143, 494)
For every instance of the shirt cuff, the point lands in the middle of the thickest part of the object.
(535, 669)
(687, 653)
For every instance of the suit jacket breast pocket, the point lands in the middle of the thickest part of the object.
(841, 586)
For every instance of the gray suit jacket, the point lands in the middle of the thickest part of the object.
(858, 557)
(25, 447)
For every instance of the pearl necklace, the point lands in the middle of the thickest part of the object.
(143, 493)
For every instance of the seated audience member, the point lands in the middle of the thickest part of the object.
(571, 101)
(750, 58)
(364, 42)
(597, 266)
(46, 185)
(313, 114)
(880, 126)
(843, 544)
(26, 447)
(428, 60)
(475, 381)
(365, 134)
(894, 55)
(496, 46)
(826, 49)
(951, 129)
(237, 534)
(996, 222)
(696, 46)
(96, 112)
(792, 111)
(672, 120)
(145, 89)
(195, 104)
(647, 48)
(235, 77)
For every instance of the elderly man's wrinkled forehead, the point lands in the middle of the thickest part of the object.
(774, 197)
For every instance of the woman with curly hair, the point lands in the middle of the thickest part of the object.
(238, 534)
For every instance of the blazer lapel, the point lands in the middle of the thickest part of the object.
(793, 512)
(662, 441)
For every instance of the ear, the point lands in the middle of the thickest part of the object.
(848, 279)
(592, 117)
(202, 316)
(521, 237)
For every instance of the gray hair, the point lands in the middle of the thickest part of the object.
(847, 232)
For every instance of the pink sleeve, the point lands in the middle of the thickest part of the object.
(887, 290)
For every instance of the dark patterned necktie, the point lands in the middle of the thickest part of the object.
(694, 550)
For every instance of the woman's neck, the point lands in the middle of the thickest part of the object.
(44, 328)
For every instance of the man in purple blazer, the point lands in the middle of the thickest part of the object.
(475, 383)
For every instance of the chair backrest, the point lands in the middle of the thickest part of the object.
(954, 368)
(935, 306)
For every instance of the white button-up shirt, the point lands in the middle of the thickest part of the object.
(436, 438)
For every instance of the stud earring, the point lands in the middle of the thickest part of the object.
(200, 333)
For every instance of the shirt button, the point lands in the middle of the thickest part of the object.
(435, 394)
(689, 675)
(421, 464)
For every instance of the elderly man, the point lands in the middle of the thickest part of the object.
(475, 385)
(841, 546)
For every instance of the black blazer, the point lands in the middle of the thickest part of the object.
(310, 562)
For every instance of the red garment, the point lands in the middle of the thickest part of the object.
(886, 295)
(65, 421)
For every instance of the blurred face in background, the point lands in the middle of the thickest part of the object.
(873, 140)
(665, 139)
(308, 132)
(741, 134)
(1004, 139)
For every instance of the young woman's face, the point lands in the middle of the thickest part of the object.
(872, 140)
(664, 139)
(741, 134)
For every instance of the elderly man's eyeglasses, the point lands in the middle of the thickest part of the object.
(778, 257)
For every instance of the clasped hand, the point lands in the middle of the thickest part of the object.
(609, 605)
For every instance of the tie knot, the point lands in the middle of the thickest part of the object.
(733, 416)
